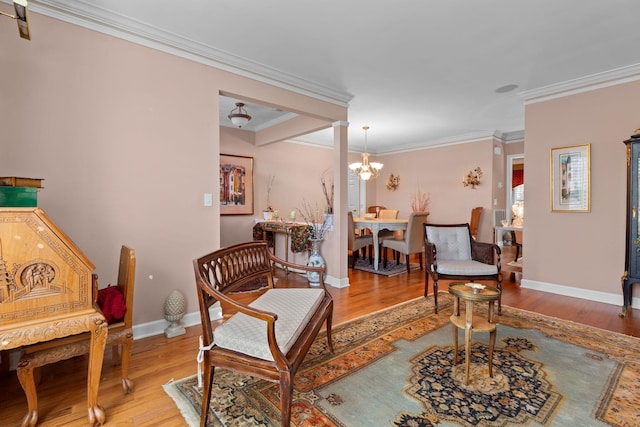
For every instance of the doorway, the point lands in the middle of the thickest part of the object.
(515, 184)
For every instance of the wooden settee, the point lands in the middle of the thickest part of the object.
(267, 338)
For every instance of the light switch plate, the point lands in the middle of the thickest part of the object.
(208, 199)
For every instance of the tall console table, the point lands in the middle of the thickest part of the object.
(46, 293)
(632, 252)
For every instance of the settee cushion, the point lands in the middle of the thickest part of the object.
(466, 268)
(248, 335)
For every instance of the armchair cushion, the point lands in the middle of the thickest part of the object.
(466, 268)
(453, 243)
(248, 335)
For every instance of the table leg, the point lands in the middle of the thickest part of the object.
(286, 252)
(96, 354)
(468, 330)
(455, 344)
(376, 254)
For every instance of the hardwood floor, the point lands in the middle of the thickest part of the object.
(156, 360)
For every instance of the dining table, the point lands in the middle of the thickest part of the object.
(375, 225)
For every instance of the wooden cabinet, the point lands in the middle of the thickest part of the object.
(46, 293)
(632, 253)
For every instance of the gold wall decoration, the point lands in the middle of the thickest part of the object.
(393, 182)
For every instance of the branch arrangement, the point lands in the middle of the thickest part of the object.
(328, 194)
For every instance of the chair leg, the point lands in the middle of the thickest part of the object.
(125, 358)
(420, 260)
(384, 257)
(286, 395)
(435, 295)
(407, 259)
(329, 338)
(500, 299)
(206, 391)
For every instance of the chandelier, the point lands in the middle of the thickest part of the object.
(239, 116)
(364, 169)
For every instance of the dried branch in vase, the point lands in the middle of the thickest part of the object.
(269, 186)
(314, 216)
(328, 194)
(420, 201)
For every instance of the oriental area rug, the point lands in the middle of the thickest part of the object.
(395, 368)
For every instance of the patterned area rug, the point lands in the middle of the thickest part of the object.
(394, 367)
(392, 268)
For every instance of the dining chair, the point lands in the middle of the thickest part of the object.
(375, 209)
(356, 242)
(452, 254)
(385, 234)
(474, 222)
(411, 241)
(116, 303)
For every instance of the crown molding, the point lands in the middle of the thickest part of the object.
(88, 15)
(589, 83)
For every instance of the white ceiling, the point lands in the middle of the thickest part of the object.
(417, 72)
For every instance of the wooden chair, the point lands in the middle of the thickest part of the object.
(474, 222)
(411, 241)
(268, 338)
(356, 242)
(119, 337)
(386, 234)
(375, 209)
(452, 254)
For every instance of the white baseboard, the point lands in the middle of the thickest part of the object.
(604, 297)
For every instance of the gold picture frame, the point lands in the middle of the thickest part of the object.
(236, 185)
(571, 178)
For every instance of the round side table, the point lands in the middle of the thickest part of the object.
(473, 292)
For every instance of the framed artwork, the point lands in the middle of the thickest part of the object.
(571, 179)
(236, 185)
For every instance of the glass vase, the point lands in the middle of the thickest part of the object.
(315, 260)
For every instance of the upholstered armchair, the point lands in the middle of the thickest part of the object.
(411, 241)
(452, 254)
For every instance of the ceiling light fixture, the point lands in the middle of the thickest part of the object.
(239, 116)
(22, 17)
(364, 169)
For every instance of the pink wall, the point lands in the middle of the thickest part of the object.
(579, 250)
(439, 171)
(127, 140)
(297, 170)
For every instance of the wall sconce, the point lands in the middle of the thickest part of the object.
(22, 17)
(472, 178)
(393, 182)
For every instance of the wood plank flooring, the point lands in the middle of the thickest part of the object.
(156, 360)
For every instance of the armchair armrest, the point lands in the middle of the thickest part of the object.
(485, 252)
(430, 256)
